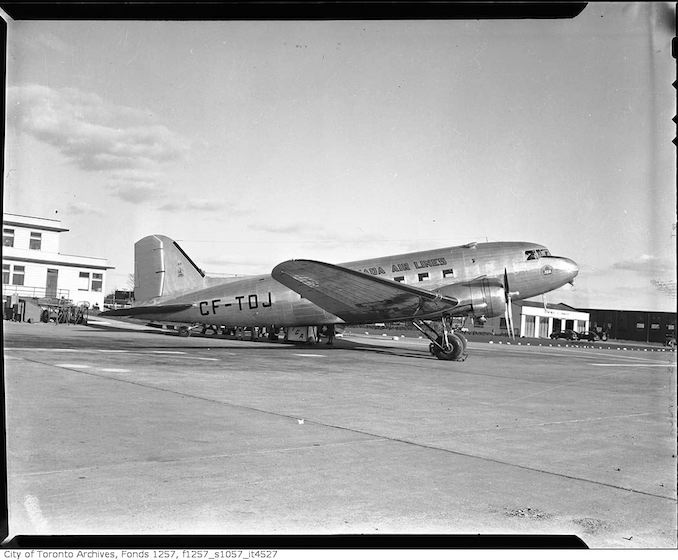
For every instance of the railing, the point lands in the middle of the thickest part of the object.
(33, 291)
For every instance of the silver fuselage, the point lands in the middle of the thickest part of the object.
(261, 300)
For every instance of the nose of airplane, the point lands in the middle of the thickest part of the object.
(568, 268)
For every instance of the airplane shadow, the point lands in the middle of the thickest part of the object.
(339, 344)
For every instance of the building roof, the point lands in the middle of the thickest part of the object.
(57, 259)
(555, 306)
(33, 222)
(599, 310)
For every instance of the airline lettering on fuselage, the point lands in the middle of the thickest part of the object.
(401, 267)
(426, 263)
(251, 301)
(374, 270)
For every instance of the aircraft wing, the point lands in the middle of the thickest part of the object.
(358, 297)
(146, 310)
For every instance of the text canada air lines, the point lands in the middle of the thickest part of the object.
(401, 267)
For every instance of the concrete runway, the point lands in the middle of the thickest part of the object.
(117, 430)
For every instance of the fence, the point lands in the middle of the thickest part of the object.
(34, 292)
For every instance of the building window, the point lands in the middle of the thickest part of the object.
(83, 285)
(5, 274)
(654, 326)
(399, 279)
(97, 282)
(423, 276)
(18, 276)
(670, 327)
(640, 325)
(448, 272)
(36, 241)
(7, 237)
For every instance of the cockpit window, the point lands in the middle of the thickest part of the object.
(537, 253)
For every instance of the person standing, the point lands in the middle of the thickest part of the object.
(330, 334)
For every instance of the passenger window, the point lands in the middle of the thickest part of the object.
(399, 279)
(423, 276)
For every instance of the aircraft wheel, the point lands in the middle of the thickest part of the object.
(456, 352)
(183, 331)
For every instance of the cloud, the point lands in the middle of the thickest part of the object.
(135, 185)
(81, 208)
(136, 177)
(224, 261)
(136, 193)
(53, 42)
(290, 229)
(646, 264)
(199, 204)
(91, 132)
(325, 236)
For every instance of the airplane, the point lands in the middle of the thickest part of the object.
(427, 288)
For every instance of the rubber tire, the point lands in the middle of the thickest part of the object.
(183, 331)
(458, 351)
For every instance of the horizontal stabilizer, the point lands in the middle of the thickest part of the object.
(146, 310)
(358, 297)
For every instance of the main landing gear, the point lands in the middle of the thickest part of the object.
(448, 346)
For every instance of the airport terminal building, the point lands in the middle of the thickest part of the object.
(34, 271)
(532, 319)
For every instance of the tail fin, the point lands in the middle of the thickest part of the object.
(162, 268)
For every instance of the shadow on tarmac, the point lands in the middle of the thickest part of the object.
(339, 344)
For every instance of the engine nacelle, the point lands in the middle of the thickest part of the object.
(479, 297)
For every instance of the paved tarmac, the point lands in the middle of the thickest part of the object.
(117, 429)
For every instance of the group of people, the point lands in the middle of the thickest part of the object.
(271, 332)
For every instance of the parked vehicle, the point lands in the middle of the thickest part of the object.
(592, 336)
(567, 334)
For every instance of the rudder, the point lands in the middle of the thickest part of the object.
(162, 268)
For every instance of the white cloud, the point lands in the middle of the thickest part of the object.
(200, 204)
(80, 208)
(135, 185)
(137, 193)
(91, 132)
(646, 264)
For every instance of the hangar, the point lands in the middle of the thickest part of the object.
(35, 273)
(643, 326)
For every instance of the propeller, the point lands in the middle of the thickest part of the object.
(508, 313)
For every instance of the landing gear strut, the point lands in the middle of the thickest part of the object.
(447, 346)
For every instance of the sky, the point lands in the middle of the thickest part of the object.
(251, 143)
